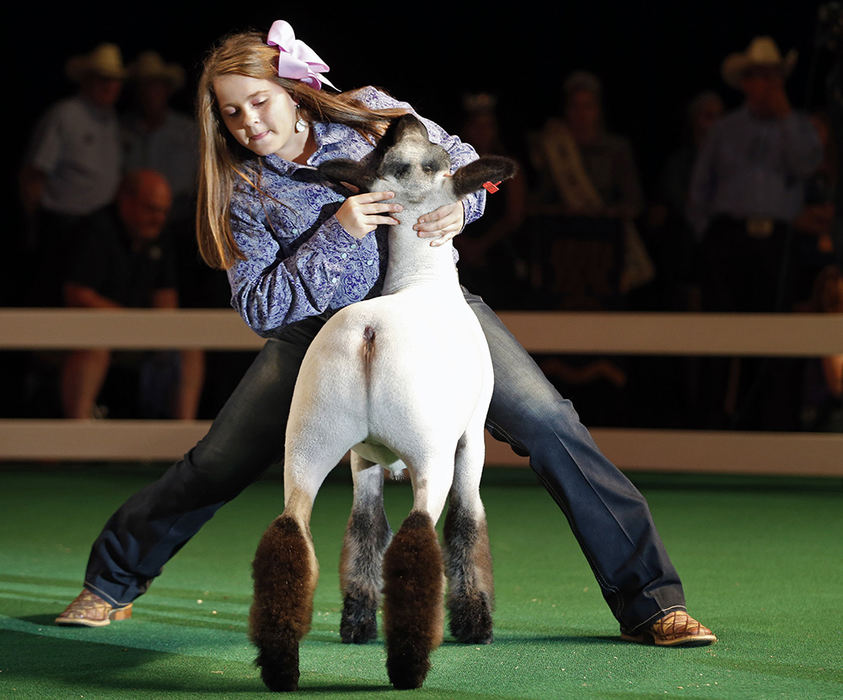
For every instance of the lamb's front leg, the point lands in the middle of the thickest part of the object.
(468, 559)
(361, 564)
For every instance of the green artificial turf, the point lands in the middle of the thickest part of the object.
(761, 561)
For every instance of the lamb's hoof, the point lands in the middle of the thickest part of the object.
(280, 668)
(471, 620)
(408, 671)
(359, 623)
(475, 638)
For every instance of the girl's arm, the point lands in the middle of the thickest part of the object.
(271, 290)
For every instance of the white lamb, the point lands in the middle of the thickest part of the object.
(401, 379)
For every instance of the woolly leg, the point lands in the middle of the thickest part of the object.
(413, 591)
(468, 565)
(366, 539)
(284, 572)
(468, 559)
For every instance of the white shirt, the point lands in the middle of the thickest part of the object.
(77, 146)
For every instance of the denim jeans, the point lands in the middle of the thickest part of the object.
(609, 517)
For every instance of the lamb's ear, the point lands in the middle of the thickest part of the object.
(345, 170)
(400, 128)
(408, 124)
(470, 178)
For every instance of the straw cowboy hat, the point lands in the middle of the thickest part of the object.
(105, 60)
(762, 51)
(150, 66)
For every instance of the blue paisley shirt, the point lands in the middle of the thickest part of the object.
(300, 262)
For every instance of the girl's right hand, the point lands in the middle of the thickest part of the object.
(361, 214)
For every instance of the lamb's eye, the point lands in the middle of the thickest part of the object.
(429, 167)
(399, 170)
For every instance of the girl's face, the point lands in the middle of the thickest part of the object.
(260, 115)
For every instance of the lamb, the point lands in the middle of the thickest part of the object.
(404, 379)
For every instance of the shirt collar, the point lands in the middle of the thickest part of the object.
(330, 137)
(279, 165)
(327, 135)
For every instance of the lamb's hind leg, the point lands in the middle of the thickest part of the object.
(413, 575)
(285, 571)
(361, 565)
(468, 560)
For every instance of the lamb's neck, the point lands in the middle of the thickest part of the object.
(413, 261)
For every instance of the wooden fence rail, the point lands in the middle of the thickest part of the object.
(780, 335)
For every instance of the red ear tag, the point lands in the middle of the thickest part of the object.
(490, 187)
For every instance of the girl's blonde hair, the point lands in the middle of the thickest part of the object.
(222, 161)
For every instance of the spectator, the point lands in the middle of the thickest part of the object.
(156, 136)
(670, 238)
(704, 110)
(73, 164)
(585, 171)
(588, 176)
(748, 183)
(814, 247)
(121, 262)
(747, 187)
(493, 259)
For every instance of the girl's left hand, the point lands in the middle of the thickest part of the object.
(442, 224)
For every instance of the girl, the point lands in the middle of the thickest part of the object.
(296, 250)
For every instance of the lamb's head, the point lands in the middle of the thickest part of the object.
(407, 163)
(410, 165)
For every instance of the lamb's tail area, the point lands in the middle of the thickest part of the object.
(368, 350)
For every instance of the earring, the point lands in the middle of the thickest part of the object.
(301, 124)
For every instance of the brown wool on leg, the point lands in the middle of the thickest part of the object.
(413, 591)
(284, 572)
(468, 565)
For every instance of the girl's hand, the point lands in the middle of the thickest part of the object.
(442, 224)
(361, 214)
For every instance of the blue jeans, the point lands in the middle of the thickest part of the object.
(609, 517)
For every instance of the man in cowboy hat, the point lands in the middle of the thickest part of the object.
(155, 135)
(74, 161)
(158, 137)
(748, 179)
(746, 189)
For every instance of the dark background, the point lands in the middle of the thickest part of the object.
(652, 56)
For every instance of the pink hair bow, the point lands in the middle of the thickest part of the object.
(296, 59)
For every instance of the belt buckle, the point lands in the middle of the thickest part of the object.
(759, 228)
